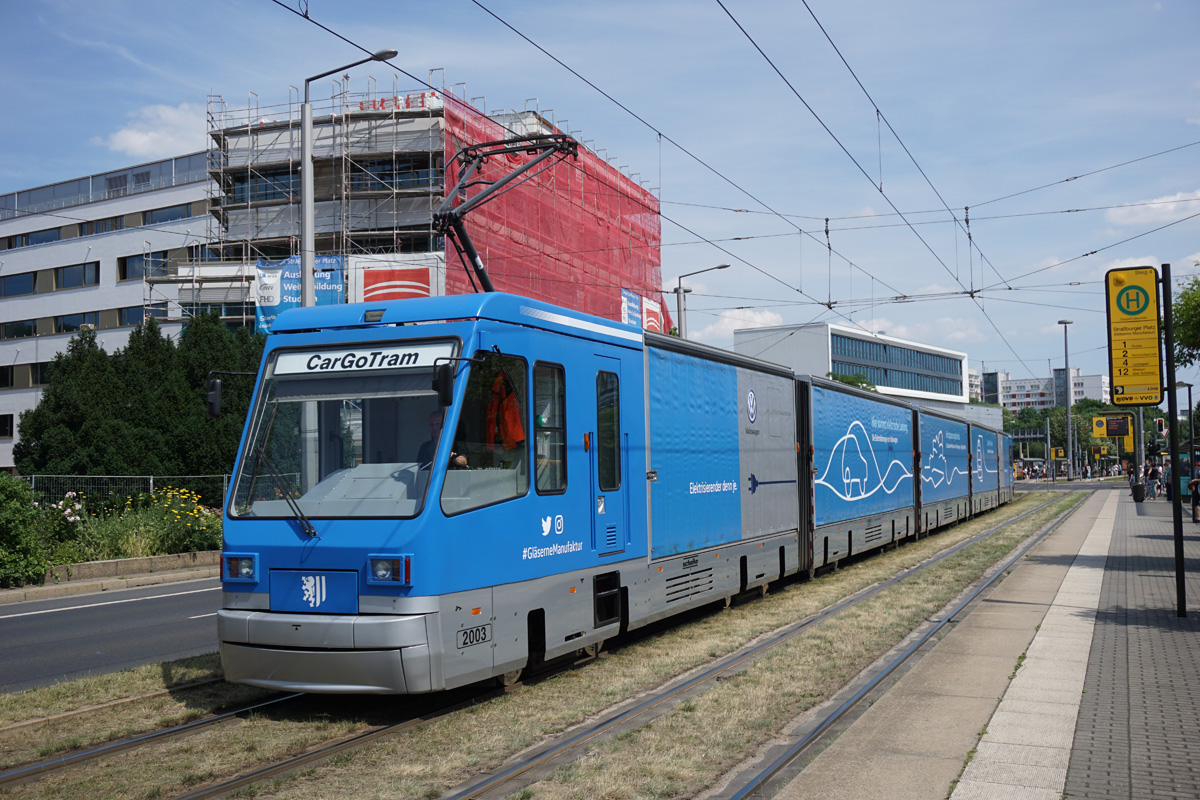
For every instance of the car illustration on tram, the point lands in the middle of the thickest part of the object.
(435, 492)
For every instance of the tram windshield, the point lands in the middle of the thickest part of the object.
(330, 441)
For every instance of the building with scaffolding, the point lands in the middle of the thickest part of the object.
(575, 233)
(186, 235)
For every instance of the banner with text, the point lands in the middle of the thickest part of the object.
(278, 287)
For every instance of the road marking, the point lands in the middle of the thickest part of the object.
(108, 603)
(202, 616)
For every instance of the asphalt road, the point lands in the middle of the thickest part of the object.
(48, 641)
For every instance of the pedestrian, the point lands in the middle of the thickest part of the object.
(1194, 486)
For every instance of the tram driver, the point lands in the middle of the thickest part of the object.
(427, 450)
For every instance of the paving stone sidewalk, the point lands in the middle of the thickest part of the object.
(1138, 730)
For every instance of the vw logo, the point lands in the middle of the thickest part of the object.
(751, 406)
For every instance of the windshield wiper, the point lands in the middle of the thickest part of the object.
(261, 451)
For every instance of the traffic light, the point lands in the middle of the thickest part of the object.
(1162, 426)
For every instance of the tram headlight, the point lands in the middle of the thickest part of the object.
(391, 569)
(239, 567)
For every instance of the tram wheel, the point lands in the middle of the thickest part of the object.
(509, 678)
(593, 650)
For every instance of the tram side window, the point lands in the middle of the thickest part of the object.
(608, 431)
(491, 433)
(550, 432)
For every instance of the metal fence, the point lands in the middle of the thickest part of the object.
(52, 488)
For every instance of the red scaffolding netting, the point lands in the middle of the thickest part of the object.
(575, 233)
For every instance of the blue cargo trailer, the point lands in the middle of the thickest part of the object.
(861, 455)
(985, 468)
(944, 491)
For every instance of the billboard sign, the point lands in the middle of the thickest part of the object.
(631, 308)
(652, 316)
(277, 287)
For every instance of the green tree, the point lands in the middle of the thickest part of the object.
(142, 410)
(1186, 312)
(66, 433)
(1028, 418)
(205, 345)
(857, 380)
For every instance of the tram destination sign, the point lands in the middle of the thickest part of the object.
(1134, 349)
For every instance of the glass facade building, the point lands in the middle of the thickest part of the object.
(886, 363)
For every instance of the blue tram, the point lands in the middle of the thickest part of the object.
(430, 493)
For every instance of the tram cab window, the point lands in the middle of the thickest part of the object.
(337, 445)
(491, 430)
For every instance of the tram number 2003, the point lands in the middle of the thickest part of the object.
(476, 635)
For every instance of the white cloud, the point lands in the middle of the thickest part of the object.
(720, 333)
(160, 131)
(943, 331)
(1097, 273)
(1163, 210)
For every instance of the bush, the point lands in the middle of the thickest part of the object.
(184, 525)
(22, 556)
(161, 522)
(79, 528)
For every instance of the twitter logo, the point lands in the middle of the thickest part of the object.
(546, 525)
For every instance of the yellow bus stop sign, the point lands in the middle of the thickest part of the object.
(1134, 352)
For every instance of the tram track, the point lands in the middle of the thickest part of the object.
(509, 779)
(107, 706)
(756, 782)
(512, 777)
(28, 772)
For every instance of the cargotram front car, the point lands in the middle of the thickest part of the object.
(363, 555)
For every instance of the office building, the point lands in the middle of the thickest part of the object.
(1019, 393)
(74, 255)
(930, 376)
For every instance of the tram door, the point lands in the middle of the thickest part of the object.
(609, 462)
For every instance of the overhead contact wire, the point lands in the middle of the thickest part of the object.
(658, 132)
(887, 199)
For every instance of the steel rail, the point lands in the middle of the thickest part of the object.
(490, 784)
(328, 751)
(759, 779)
(98, 707)
(22, 774)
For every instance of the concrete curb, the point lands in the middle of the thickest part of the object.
(124, 573)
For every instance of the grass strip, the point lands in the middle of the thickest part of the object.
(426, 762)
(688, 749)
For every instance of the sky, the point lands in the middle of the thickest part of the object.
(1067, 132)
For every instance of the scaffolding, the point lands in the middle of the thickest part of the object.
(378, 175)
(379, 172)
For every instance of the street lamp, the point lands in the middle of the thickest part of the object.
(680, 305)
(307, 212)
(1070, 391)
